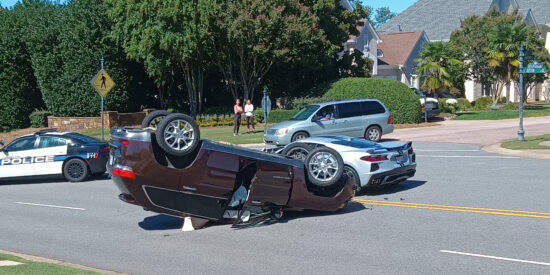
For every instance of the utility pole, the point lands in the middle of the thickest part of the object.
(102, 121)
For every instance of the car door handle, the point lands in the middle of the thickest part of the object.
(189, 188)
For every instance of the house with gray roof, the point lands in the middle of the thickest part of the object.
(439, 18)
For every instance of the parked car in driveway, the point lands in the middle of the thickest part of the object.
(430, 105)
(367, 118)
(366, 163)
(167, 168)
(49, 152)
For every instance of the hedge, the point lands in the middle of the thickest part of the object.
(299, 103)
(39, 118)
(213, 120)
(402, 102)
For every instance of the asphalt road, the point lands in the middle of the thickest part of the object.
(419, 227)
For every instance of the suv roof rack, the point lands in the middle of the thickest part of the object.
(44, 131)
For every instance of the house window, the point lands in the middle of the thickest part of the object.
(379, 53)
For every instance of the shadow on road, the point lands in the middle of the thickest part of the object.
(292, 215)
(161, 222)
(165, 222)
(384, 190)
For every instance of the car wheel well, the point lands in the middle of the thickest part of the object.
(74, 157)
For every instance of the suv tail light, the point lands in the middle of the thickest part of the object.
(389, 119)
(410, 151)
(374, 158)
(124, 142)
(124, 172)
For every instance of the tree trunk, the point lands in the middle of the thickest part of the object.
(194, 81)
(508, 79)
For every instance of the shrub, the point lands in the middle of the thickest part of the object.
(444, 107)
(502, 99)
(276, 116)
(299, 103)
(463, 104)
(509, 107)
(258, 115)
(39, 118)
(400, 99)
(482, 103)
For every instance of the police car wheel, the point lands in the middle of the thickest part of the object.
(75, 170)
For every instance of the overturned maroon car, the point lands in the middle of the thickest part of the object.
(166, 168)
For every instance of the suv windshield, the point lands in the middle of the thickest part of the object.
(305, 112)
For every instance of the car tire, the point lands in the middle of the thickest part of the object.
(75, 170)
(174, 139)
(352, 175)
(154, 118)
(297, 150)
(324, 167)
(373, 133)
(299, 135)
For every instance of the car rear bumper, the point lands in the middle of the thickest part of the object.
(394, 176)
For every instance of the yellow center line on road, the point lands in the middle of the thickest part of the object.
(465, 209)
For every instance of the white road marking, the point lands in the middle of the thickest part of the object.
(494, 257)
(48, 205)
(437, 150)
(488, 157)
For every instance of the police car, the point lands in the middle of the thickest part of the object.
(48, 152)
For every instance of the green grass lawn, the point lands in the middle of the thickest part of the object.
(529, 143)
(29, 267)
(504, 114)
(224, 134)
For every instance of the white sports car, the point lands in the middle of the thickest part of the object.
(366, 163)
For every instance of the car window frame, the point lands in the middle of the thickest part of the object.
(7, 148)
(67, 141)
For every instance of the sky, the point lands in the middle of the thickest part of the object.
(396, 6)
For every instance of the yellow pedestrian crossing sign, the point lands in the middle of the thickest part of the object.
(102, 82)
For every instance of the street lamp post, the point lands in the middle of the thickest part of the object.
(521, 132)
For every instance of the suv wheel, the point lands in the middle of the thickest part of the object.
(299, 135)
(178, 134)
(154, 118)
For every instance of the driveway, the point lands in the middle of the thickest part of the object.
(483, 132)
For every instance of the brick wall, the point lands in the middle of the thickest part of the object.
(111, 118)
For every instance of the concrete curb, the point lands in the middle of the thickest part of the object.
(58, 262)
(497, 149)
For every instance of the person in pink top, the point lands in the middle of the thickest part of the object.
(237, 111)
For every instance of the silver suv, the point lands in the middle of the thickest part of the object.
(367, 118)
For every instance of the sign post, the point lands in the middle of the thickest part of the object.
(532, 68)
(102, 83)
(266, 107)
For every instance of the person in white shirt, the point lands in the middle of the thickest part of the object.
(249, 113)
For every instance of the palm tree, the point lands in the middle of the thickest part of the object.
(435, 64)
(505, 41)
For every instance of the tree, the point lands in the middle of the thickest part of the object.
(471, 41)
(435, 63)
(505, 41)
(18, 92)
(383, 15)
(353, 64)
(166, 34)
(250, 36)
